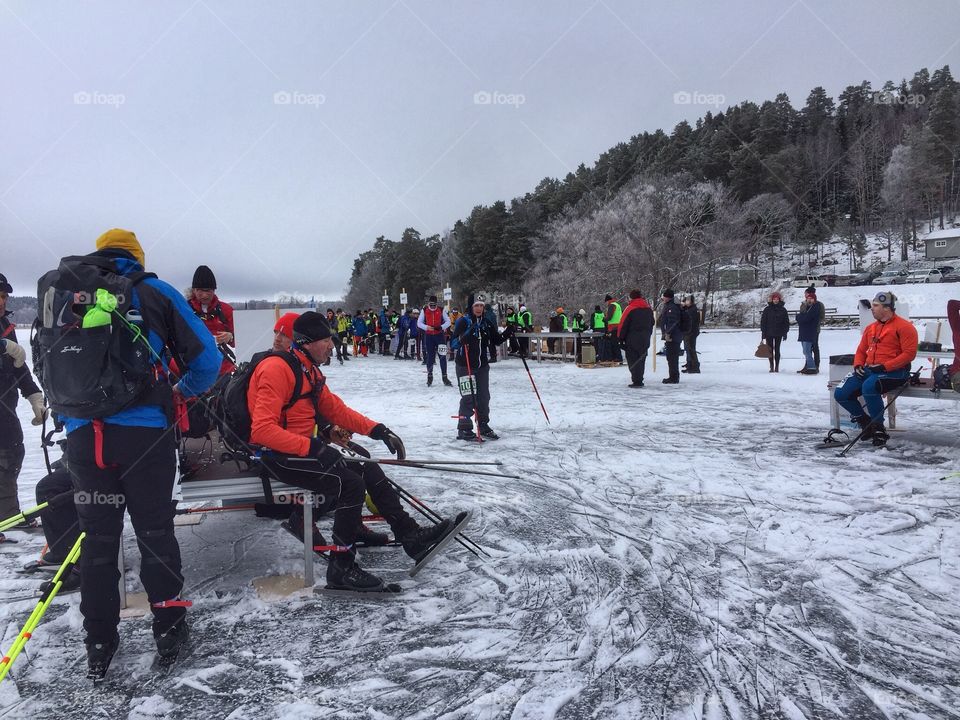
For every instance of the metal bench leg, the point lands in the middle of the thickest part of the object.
(892, 411)
(308, 539)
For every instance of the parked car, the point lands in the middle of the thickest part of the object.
(865, 278)
(804, 281)
(925, 276)
(829, 278)
(889, 277)
(844, 280)
(952, 277)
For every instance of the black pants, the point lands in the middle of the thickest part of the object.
(636, 363)
(61, 526)
(523, 345)
(402, 345)
(816, 351)
(140, 477)
(11, 458)
(345, 341)
(337, 347)
(690, 344)
(672, 351)
(613, 347)
(346, 485)
(774, 344)
(481, 377)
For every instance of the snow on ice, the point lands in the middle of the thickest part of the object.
(670, 552)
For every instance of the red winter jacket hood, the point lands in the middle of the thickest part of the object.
(635, 304)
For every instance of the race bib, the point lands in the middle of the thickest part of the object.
(442, 349)
(468, 386)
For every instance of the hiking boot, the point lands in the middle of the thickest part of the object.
(419, 542)
(487, 432)
(172, 641)
(27, 525)
(343, 573)
(371, 537)
(99, 655)
(429, 379)
(809, 371)
(636, 385)
(670, 381)
(71, 583)
(446, 381)
(466, 434)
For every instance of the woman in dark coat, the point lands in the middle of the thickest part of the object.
(774, 326)
(636, 326)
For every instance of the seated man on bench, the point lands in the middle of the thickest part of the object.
(299, 458)
(881, 363)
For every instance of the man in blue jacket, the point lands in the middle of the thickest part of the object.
(127, 459)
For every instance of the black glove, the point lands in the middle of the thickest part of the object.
(509, 332)
(328, 455)
(623, 344)
(389, 438)
(876, 369)
(859, 371)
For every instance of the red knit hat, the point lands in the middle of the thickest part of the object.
(810, 292)
(284, 324)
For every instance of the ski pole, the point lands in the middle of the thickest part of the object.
(435, 517)
(55, 501)
(420, 466)
(529, 375)
(50, 590)
(443, 462)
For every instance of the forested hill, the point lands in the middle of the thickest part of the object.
(667, 208)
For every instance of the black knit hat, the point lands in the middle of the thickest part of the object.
(607, 298)
(309, 327)
(4, 285)
(668, 293)
(203, 278)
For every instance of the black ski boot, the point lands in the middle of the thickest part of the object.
(294, 526)
(487, 432)
(366, 536)
(171, 642)
(420, 541)
(429, 379)
(466, 435)
(864, 422)
(879, 436)
(446, 381)
(343, 573)
(99, 655)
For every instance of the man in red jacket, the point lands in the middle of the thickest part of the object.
(882, 363)
(215, 314)
(299, 457)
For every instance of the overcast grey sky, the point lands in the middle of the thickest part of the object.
(275, 141)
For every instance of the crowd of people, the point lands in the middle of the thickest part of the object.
(143, 354)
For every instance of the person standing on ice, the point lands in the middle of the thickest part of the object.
(692, 314)
(808, 331)
(611, 318)
(216, 315)
(15, 380)
(636, 327)
(774, 326)
(124, 452)
(671, 325)
(288, 433)
(433, 323)
(472, 338)
(881, 363)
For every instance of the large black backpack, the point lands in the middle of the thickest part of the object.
(91, 372)
(234, 411)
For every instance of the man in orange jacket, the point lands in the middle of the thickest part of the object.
(299, 457)
(882, 363)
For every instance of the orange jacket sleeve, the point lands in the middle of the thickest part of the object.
(271, 387)
(337, 412)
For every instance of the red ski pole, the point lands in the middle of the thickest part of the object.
(529, 375)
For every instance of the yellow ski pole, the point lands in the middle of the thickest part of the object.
(50, 590)
(30, 512)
